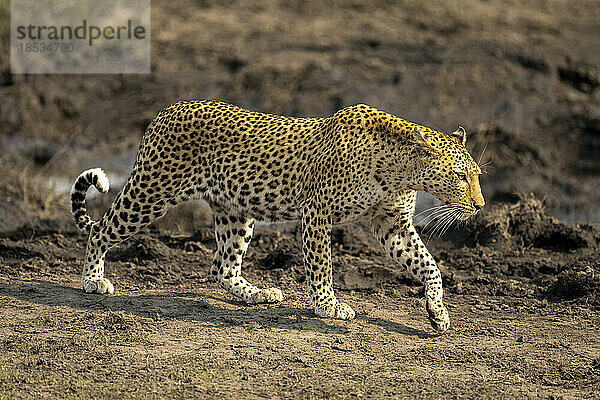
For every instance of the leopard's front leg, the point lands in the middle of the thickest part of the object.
(401, 241)
(316, 246)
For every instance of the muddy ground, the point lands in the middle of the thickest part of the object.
(522, 279)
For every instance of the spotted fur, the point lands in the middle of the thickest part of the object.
(359, 164)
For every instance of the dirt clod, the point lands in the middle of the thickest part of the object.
(525, 224)
(577, 282)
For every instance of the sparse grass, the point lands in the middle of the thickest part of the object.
(36, 195)
(24, 185)
(16, 383)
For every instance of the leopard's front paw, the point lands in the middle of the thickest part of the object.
(438, 317)
(335, 310)
(98, 285)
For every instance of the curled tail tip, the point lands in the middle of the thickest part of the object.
(99, 179)
(87, 178)
(96, 177)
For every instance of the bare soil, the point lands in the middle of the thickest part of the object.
(522, 279)
(523, 291)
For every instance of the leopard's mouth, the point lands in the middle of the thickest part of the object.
(466, 212)
(472, 213)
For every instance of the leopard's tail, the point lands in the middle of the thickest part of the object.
(95, 177)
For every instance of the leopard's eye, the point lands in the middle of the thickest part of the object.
(462, 176)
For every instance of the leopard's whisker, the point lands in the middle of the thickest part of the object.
(431, 233)
(434, 216)
(484, 166)
(439, 222)
(453, 217)
(439, 231)
(488, 162)
(456, 217)
(440, 214)
(436, 219)
(482, 153)
(434, 208)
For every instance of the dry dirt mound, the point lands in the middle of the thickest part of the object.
(518, 250)
(525, 224)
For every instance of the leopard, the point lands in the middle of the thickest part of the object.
(359, 164)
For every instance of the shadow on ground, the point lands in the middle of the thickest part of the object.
(187, 306)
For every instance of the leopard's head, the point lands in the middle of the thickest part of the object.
(447, 171)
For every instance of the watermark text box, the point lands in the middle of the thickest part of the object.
(80, 36)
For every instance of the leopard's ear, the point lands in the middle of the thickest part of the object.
(460, 134)
(421, 140)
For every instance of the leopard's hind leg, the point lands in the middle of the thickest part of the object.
(133, 209)
(233, 236)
